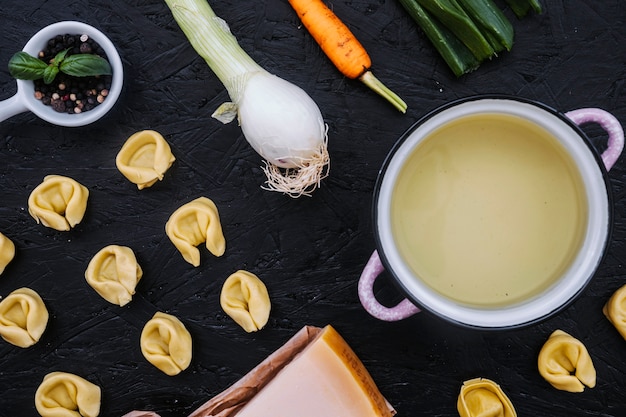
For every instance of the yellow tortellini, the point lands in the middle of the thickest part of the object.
(62, 394)
(58, 202)
(114, 273)
(565, 363)
(193, 223)
(615, 310)
(245, 299)
(481, 397)
(23, 317)
(7, 251)
(166, 343)
(144, 158)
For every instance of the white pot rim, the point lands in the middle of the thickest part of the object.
(577, 276)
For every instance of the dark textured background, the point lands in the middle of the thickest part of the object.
(308, 251)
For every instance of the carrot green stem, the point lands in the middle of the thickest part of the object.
(372, 82)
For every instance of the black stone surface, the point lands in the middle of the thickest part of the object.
(308, 251)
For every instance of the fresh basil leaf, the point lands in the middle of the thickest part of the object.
(60, 57)
(25, 67)
(49, 73)
(84, 65)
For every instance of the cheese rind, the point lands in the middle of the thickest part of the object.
(325, 379)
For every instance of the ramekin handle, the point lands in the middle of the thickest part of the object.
(11, 106)
(610, 124)
(371, 271)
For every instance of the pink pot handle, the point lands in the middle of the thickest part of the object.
(372, 270)
(610, 124)
(405, 308)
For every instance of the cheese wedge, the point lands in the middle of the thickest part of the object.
(326, 379)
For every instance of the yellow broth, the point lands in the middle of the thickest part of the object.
(489, 210)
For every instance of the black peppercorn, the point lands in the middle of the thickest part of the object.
(65, 92)
(85, 48)
(58, 105)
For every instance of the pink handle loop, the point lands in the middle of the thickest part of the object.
(405, 308)
(372, 270)
(610, 124)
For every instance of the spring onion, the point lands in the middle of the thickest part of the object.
(278, 119)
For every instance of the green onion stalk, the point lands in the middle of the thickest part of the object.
(278, 119)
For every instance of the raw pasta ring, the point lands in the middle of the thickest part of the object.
(58, 202)
(62, 394)
(166, 343)
(481, 397)
(114, 273)
(7, 252)
(23, 317)
(245, 299)
(615, 310)
(565, 363)
(144, 158)
(193, 223)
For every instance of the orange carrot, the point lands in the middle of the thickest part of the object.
(341, 46)
(333, 36)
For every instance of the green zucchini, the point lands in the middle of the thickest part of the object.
(458, 57)
(491, 21)
(467, 32)
(452, 15)
(522, 7)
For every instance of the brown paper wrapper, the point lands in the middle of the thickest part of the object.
(229, 401)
